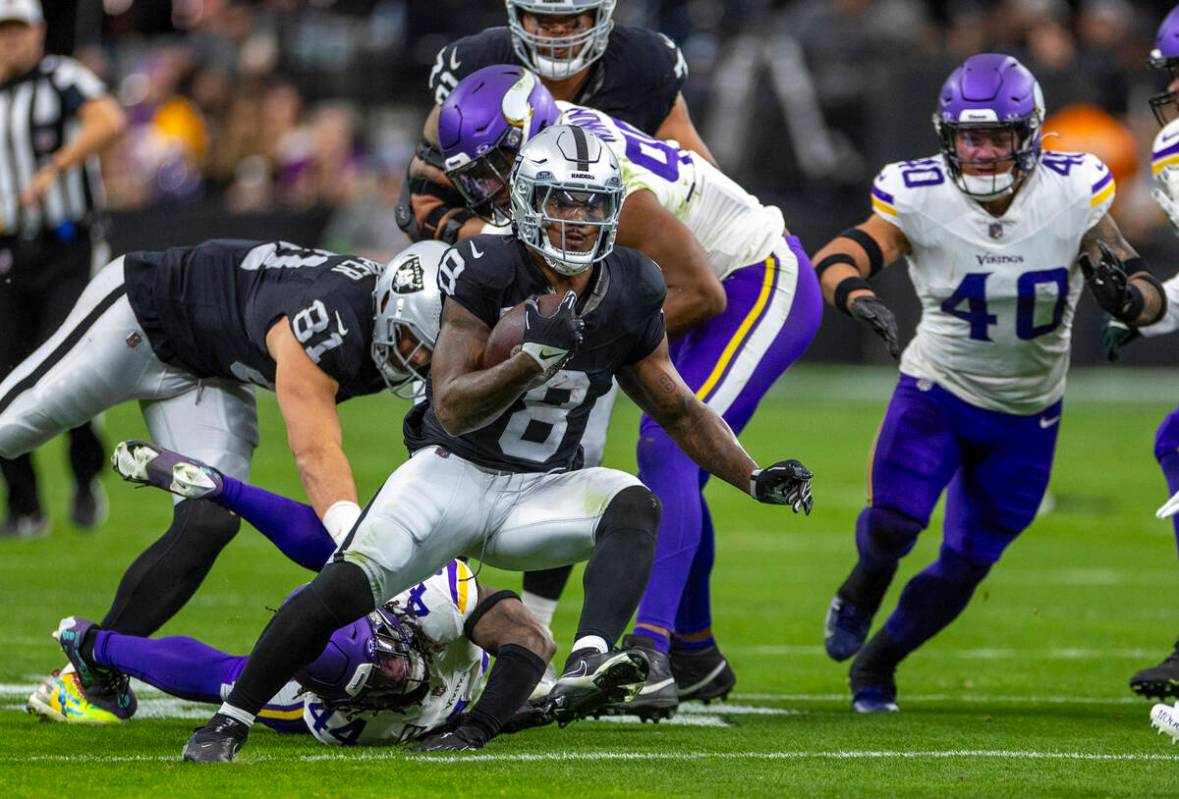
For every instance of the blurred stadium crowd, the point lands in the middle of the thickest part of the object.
(291, 105)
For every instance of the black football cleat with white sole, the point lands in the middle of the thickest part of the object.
(658, 697)
(219, 741)
(592, 680)
(1161, 681)
(702, 674)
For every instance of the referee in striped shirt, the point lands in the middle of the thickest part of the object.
(55, 116)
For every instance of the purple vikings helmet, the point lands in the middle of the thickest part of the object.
(1165, 55)
(994, 92)
(483, 123)
(372, 663)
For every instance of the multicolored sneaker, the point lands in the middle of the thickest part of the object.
(106, 688)
(148, 464)
(61, 698)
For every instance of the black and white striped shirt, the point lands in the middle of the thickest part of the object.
(38, 115)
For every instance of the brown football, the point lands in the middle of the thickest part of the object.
(508, 333)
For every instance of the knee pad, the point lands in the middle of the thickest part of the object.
(955, 567)
(887, 533)
(634, 509)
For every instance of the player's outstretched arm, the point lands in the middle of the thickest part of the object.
(1117, 277)
(522, 648)
(656, 387)
(307, 399)
(466, 396)
(846, 262)
(694, 292)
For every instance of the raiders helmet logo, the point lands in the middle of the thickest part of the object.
(408, 277)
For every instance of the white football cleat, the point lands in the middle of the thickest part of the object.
(148, 464)
(1169, 508)
(1165, 719)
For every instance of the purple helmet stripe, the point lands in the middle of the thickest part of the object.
(1174, 148)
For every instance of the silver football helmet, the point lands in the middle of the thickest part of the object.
(567, 195)
(559, 57)
(406, 300)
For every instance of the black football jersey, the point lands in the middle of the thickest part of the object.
(636, 80)
(542, 430)
(207, 309)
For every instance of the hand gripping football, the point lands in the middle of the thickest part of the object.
(508, 334)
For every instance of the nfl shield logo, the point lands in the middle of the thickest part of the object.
(996, 230)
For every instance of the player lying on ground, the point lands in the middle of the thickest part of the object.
(581, 56)
(410, 667)
(998, 235)
(1161, 680)
(742, 305)
(189, 332)
(491, 474)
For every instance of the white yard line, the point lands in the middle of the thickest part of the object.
(393, 753)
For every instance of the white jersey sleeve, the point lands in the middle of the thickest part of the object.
(455, 668)
(1170, 321)
(899, 189)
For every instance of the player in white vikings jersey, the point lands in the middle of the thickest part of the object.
(992, 229)
(1162, 680)
(742, 305)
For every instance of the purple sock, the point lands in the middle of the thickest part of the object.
(291, 526)
(695, 611)
(177, 665)
(934, 598)
(658, 640)
(675, 479)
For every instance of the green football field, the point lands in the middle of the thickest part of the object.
(1025, 695)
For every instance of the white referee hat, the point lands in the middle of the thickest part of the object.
(26, 11)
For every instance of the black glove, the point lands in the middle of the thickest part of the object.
(873, 312)
(460, 740)
(552, 340)
(784, 483)
(1115, 335)
(1111, 285)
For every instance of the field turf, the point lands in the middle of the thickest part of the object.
(1025, 695)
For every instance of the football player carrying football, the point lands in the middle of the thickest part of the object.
(742, 305)
(410, 667)
(492, 471)
(998, 235)
(581, 56)
(189, 332)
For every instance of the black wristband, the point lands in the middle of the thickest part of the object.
(1134, 265)
(1132, 308)
(486, 604)
(833, 259)
(870, 247)
(516, 672)
(1157, 285)
(845, 287)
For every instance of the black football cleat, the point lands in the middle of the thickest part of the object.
(530, 714)
(701, 674)
(872, 676)
(1160, 681)
(593, 679)
(459, 740)
(658, 697)
(217, 742)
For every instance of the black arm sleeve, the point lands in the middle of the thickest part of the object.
(516, 672)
